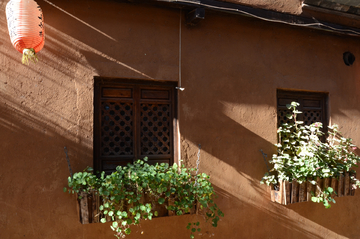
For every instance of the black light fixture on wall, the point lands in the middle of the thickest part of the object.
(349, 58)
(195, 16)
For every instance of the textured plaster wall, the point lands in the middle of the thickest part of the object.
(231, 68)
(243, 62)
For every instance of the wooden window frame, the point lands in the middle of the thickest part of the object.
(308, 101)
(118, 90)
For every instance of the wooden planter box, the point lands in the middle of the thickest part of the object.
(89, 207)
(293, 192)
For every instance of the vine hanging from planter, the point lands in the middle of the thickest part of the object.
(317, 170)
(137, 191)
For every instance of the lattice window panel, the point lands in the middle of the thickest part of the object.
(155, 129)
(282, 116)
(307, 116)
(116, 128)
(312, 116)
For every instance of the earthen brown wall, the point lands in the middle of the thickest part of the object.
(231, 69)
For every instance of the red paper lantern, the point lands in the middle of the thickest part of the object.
(26, 27)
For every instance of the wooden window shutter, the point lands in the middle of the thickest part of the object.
(133, 120)
(313, 106)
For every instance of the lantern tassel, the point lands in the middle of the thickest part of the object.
(29, 55)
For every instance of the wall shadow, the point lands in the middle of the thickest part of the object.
(114, 40)
(34, 171)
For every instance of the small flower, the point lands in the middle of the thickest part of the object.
(317, 168)
(345, 159)
(354, 148)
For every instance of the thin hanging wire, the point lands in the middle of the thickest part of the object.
(316, 23)
(179, 87)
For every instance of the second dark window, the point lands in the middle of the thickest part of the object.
(313, 106)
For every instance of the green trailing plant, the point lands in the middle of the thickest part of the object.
(129, 193)
(303, 156)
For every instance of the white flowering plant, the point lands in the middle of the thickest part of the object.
(303, 156)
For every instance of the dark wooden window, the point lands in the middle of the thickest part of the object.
(313, 106)
(133, 119)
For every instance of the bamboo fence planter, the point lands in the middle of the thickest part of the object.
(293, 192)
(88, 205)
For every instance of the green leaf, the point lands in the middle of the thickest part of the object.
(192, 236)
(64, 189)
(115, 224)
(295, 104)
(127, 231)
(161, 200)
(220, 213)
(156, 213)
(193, 229)
(103, 220)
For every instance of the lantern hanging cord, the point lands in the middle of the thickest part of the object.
(29, 55)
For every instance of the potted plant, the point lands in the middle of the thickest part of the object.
(304, 164)
(138, 191)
